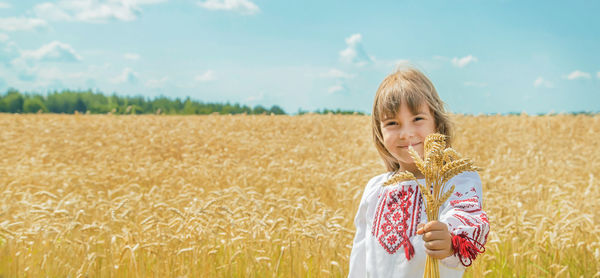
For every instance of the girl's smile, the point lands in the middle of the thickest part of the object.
(413, 145)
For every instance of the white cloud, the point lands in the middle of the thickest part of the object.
(96, 11)
(21, 68)
(578, 75)
(402, 63)
(21, 23)
(127, 76)
(335, 89)
(51, 11)
(354, 39)
(4, 5)
(157, 83)
(541, 82)
(335, 73)
(259, 97)
(355, 53)
(390, 65)
(53, 73)
(10, 57)
(209, 75)
(131, 56)
(598, 74)
(240, 6)
(475, 84)
(53, 52)
(461, 62)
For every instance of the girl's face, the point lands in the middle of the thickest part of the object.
(405, 129)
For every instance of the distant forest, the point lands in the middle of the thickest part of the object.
(71, 102)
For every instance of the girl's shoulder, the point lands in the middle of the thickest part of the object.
(466, 182)
(469, 177)
(373, 184)
(376, 182)
(379, 179)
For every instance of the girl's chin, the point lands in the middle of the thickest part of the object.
(405, 156)
(406, 161)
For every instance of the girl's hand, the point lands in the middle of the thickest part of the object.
(438, 240)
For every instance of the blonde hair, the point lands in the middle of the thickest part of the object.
(412, 87)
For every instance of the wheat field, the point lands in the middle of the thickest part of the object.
(271, 196)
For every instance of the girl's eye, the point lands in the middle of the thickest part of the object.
(390, 123)
(418, 119)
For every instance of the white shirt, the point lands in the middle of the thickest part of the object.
(387, 220)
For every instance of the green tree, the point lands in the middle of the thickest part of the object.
(14, 101)
(277, 110)
(68, 101)
(80, 106)
(189, 107)
(33, 105)
(259, 110)
(136, 109)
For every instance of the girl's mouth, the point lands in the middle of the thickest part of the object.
(406, 147)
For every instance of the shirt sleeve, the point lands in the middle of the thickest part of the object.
(466, 220)
(358, 256)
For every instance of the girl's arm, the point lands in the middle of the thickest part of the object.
(358, 256)
(467, 222)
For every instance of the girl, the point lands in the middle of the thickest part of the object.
(393, 234)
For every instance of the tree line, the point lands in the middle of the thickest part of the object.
(71, 102)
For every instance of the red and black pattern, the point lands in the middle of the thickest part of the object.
(398, 212)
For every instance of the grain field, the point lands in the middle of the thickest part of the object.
(271, 196)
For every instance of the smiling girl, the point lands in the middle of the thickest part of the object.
(393, 234)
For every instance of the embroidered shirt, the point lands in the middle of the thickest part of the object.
(386, 243)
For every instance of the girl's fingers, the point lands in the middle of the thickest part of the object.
(436, 235)
(436, 225)
(420, 228)
(432, 226)
(439, 254)
(436, 245)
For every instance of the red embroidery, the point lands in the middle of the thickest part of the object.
(466, 220)
(458, 194)
(483, 217)
(466, 248)
(454, 202)
(390, 226)
(467, 205)
(462, 219)
(416, 213)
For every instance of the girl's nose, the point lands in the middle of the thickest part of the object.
(406, 133)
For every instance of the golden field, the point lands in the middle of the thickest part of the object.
(263, 196)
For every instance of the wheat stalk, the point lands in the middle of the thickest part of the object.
(438, 166)
(115, 169)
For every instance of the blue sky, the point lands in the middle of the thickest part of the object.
(482, 56)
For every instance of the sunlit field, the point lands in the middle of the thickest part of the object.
(271, 196)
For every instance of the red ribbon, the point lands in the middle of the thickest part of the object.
(465, 248)
(409, 251)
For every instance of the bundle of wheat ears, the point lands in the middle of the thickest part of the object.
(438, 166)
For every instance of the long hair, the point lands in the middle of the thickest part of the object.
(412, 87)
